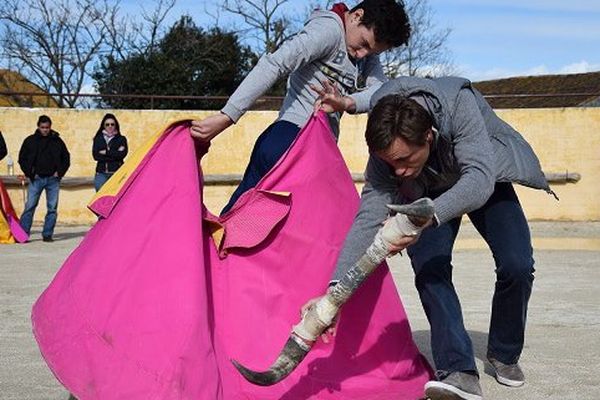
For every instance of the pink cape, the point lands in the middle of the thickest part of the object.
(161, 294)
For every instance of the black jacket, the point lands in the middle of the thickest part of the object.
(44, 156)
(3, 150)
(115, 152)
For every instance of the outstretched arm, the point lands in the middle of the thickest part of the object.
(313, 42)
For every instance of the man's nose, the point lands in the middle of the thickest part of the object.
(401, 172)
(361, 53)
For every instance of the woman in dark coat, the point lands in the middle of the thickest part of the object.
(109, 149)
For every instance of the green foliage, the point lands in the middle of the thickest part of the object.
(187, 61)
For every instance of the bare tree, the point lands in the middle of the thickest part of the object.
(54, 43)
(265, 20)
(426, 52)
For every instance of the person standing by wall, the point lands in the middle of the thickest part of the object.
(44, 159)
(109, 149)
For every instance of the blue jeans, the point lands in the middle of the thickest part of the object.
(34, 191)
(268, 149)
(100, 179)
(503, 225)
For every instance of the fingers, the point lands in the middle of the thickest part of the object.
(200, 131)
(318, 90)
(304, 309)
(330, 332)
(317, 106)
(329, 87)
(402, 243)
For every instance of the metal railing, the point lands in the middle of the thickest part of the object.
(152, 98)
(235, 179)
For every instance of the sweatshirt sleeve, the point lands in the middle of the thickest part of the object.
(380, 189)
(317, 40)
(474, 154)
(3, 149)
(375, 78)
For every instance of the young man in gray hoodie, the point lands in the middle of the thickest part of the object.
(440, 139)
(332, 61)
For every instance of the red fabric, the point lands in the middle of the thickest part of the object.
(340, 9)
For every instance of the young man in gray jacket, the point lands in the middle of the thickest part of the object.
(335, 53)
(440, 139)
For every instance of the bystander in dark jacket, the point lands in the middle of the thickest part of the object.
(109, 149)
(44, 159)
(44, 155)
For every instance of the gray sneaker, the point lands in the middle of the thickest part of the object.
(456, 386)
(507, 374)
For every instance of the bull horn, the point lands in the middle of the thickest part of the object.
(410, 221)
(293, 353)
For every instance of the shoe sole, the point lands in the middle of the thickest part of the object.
(509, 382)
(442, 391)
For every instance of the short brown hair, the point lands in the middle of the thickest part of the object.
(388, 19)
(395, 116)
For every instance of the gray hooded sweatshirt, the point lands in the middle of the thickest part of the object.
(473, 149)
(316, 53)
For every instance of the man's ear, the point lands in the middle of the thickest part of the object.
(429, 137)
(358, 14)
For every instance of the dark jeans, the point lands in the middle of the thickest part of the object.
(268, 149)
(503, 225)
(100, 179)
(34, 191)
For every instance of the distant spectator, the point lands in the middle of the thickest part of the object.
(3, 150)
(109, 149)
(44, 159)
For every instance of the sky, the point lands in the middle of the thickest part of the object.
(490, 38)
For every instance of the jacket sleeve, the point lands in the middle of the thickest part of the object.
(380, 189)
(114, 153)
(3, 149)
(98, 145)
(315, 41)
(24, 157)
(65, 160)
(474, 154)
(375, 78)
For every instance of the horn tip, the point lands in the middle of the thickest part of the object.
(257, 378)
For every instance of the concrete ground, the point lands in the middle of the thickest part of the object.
(561, 357)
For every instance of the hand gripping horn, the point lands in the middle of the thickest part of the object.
(410, 221)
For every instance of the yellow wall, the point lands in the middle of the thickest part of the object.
(564, 139)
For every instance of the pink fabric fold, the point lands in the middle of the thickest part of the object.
(149, 306)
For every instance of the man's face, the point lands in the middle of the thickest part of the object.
(406, 159)
(44, 128)
(360, 40)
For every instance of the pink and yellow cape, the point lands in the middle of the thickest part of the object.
(10, 228)
(161, 294)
